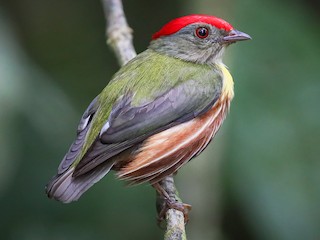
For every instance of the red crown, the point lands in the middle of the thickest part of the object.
(176, 24)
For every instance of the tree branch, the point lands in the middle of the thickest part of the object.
(118, 32)
(119, 38)
(175, 229)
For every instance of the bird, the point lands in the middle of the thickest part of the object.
(159, 110)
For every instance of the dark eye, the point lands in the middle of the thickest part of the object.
(202, 32)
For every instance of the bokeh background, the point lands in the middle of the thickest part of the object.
(259, 179)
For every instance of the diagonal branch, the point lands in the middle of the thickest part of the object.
(119, 36)
(118, 32)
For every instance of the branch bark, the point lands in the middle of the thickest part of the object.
(175, 229)
(118, 32)
(119, 38)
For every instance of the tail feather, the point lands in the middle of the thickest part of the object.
(66, 188)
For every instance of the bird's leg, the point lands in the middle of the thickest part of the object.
(170, 202)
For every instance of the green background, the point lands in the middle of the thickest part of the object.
(259, 179)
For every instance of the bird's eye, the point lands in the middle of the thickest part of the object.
(202, 32)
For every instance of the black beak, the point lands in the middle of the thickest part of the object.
(235, 36)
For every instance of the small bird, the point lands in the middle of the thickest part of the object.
(158, 112)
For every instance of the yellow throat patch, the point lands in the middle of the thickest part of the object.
(227, 88)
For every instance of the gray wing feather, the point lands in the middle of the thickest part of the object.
(82, 130)
(128, 125)
(179, 104)
(66, 188)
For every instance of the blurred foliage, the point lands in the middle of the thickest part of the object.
(259, 179)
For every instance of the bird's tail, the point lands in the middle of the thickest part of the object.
(66, 188)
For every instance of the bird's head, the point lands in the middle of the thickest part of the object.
(196, 38)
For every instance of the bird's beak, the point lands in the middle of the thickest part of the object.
(235, 36)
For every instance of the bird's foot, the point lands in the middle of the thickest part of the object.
(170, 202)
(174, 204)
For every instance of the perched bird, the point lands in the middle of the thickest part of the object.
(158, 111)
